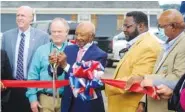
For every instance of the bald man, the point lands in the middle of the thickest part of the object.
(85, 50)
(20, 44)
(170, 65)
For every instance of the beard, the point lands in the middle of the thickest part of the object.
(132, 35)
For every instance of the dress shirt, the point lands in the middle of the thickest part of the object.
(25, 54)
(39, 69)
(86, 47)
(167, 47)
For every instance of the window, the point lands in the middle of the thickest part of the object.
(120, 20)
(84, 17)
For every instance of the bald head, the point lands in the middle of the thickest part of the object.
(88, 26)
(85, 33)
(171, 16)
(27, 9)
(172, 22)
(24, 17)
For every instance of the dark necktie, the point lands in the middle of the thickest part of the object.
(20, 68)
(124, 50)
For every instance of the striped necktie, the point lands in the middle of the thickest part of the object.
(20, 68)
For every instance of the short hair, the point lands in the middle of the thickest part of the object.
(139, 17)
(90, 24)
(62, 20)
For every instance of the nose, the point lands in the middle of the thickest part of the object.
(124, 29)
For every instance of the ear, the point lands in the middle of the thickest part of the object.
(140, 27)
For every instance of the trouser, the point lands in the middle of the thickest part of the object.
(47, 103)
(18, 102)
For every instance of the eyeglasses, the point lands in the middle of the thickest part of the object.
(160, 27)
(127, 26)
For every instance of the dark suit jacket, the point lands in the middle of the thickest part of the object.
(71, 104)
(174, 101)
(6, 74)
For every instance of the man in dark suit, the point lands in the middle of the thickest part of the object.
(84, 50)
(20, 44)
(6, 74)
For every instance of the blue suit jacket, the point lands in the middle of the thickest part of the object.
(71, 104)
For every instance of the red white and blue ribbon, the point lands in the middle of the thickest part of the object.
(85, 79)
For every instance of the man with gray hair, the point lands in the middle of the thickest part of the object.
(45, 66)
(20, 44)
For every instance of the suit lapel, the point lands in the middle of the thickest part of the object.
(88, 52)
(127, 54)
(31, 44)
(13, 44)
(173, 46)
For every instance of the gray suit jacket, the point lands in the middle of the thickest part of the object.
(9, 39)
(172, 68)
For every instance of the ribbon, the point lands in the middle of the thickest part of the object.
(33, 83)
(150, 91)
(85, 78)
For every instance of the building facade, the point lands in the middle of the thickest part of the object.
(108, 16)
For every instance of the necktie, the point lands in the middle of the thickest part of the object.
(20, 69)
(80, 54)
(125, 49)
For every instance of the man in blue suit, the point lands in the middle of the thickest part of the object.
(20, 44)
(84, 50)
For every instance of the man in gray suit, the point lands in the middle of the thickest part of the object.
(20, 44)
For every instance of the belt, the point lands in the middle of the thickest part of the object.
(49, 94)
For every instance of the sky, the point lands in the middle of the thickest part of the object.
(162, 2)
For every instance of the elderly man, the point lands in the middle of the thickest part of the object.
(170, 65)
(39, 69)
(20, 44)
(138, 61)
(84, 50)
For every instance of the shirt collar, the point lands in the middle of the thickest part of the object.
(167, 45)
(87, 46)
(63, 45)
(133, 41)
(26, 32)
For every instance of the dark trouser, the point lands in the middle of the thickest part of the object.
(18, 101)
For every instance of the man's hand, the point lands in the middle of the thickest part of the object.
(35, 105)
(2, 86)
(53, 57)
(141, 107)
(164, 91)
(61, 60)
(147, 82)
(132, 80)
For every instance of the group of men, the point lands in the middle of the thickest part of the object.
(33, 57)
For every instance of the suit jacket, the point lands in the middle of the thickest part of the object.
(172, 68)
(6, 74)
(9, 39)
(71, 104)
(37, 38)
(174, 101)
(139, 60)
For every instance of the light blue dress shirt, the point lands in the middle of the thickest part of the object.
(39, 69)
